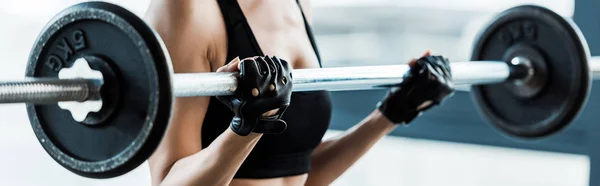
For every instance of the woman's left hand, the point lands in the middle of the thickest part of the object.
(426, 84)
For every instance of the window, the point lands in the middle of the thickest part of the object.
(376, 32)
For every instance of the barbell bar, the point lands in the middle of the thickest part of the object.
(52, 90)
(530, 74)
(594, 66)
(339, 78)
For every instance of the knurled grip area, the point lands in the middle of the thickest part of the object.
(41, 90)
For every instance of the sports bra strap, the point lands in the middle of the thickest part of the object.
(310, 34)
(241, 40)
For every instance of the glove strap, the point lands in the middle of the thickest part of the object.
(240, 126)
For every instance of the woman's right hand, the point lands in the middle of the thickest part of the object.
(262, 96)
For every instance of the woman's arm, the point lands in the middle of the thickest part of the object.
(426, 84)
(180, 159)
(214, 165)
(334, 156)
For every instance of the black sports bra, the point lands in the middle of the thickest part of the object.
(308, 115)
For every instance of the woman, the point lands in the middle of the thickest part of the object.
(205, 144)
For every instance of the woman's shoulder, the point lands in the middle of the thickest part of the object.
(190, 30)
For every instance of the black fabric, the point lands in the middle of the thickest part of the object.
(307, 117)
(311, 37)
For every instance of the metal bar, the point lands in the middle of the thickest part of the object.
(340, 78)
(595, 67)
(48, 90)
(204, 84)
(41, 91)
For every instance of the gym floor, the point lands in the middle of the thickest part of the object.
(393, 161)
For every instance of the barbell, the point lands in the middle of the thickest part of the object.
(99, 84)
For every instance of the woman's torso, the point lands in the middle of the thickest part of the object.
(276, 28)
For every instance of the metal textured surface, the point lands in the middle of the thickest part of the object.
(46, 90)
(82, 70)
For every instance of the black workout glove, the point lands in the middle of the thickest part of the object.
(427, 83)
(272, 77)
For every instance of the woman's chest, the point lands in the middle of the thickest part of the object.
(278, 28)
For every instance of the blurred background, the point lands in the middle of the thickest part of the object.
(349, 33)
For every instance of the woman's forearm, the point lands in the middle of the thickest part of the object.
(214, 165)
(334, 156)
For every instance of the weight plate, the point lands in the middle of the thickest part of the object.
(115, 144)
(559, 54)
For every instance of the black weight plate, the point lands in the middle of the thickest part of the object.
(117, 144)
(561, 46)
